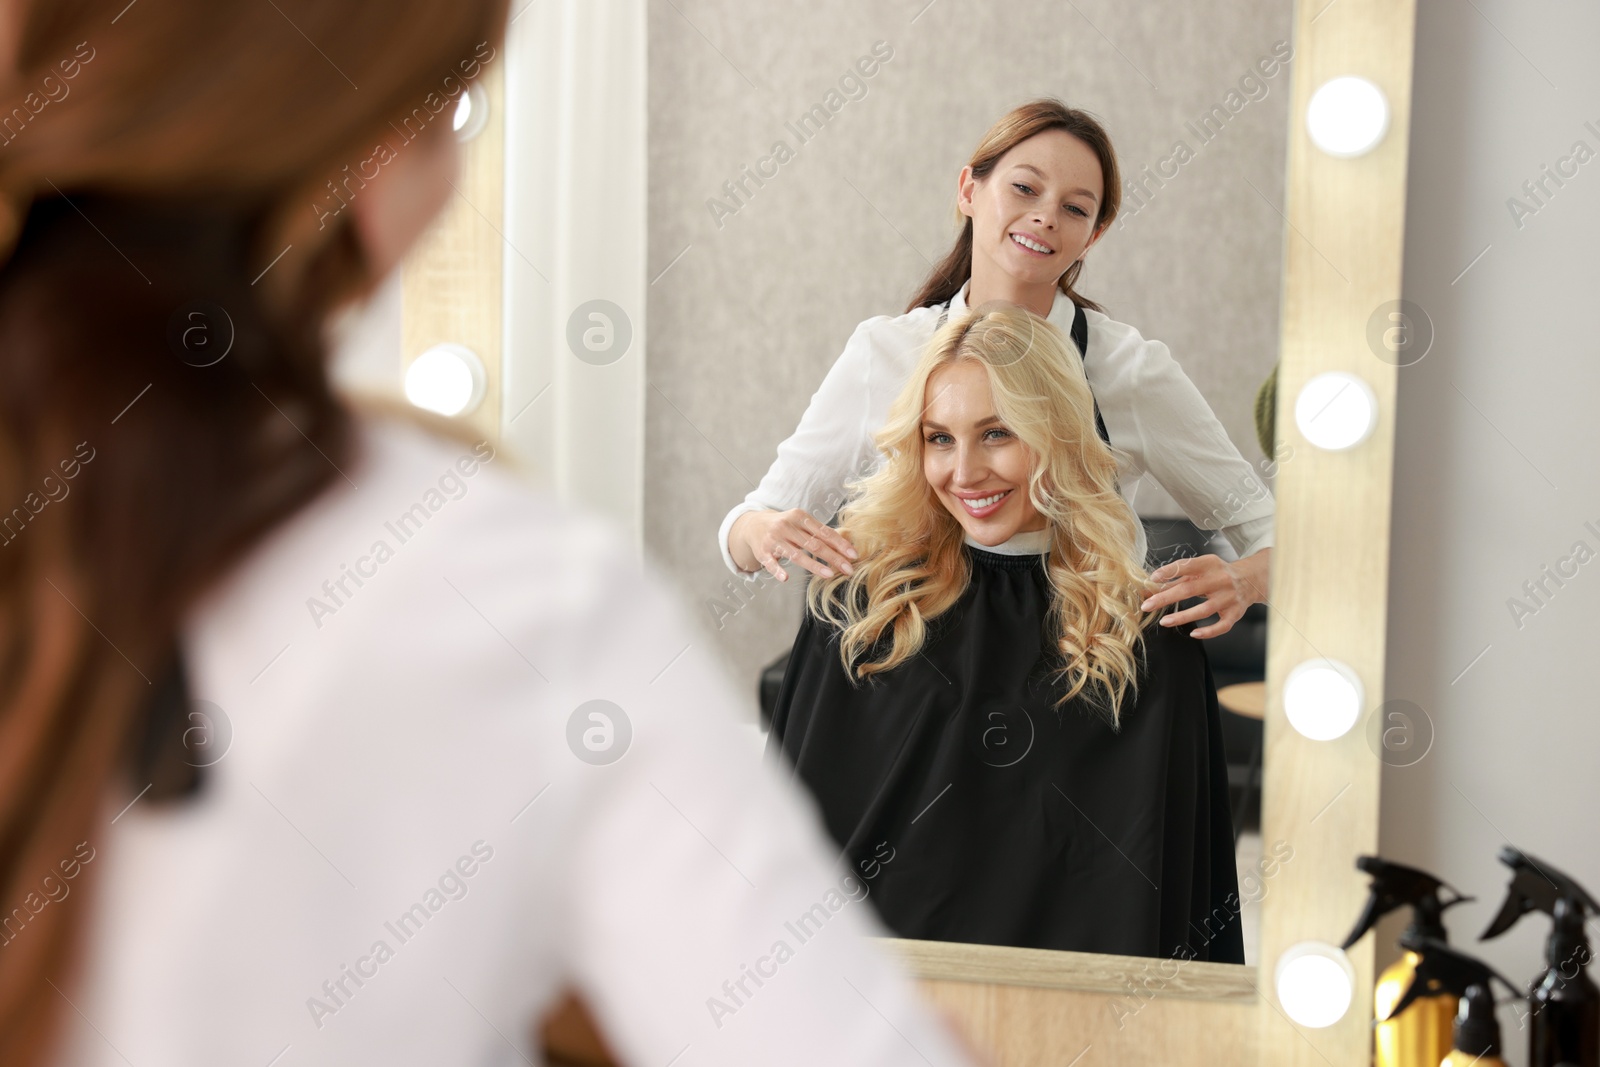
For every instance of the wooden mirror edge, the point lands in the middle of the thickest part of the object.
(1083, 972)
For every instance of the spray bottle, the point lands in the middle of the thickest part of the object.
(1563, 1002)
(1408, 1035)
(1475, 1039)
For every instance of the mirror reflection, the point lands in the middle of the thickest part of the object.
(1003, 578)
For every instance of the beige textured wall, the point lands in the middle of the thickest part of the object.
(749, 308)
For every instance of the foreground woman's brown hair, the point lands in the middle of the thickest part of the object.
(156, 160)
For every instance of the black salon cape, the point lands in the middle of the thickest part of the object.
(973, 811)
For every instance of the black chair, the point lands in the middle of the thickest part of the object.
(1240, 655)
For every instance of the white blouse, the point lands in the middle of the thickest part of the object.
(1157, 421)
(411, 844)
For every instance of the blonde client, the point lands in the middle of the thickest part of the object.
(997, 736)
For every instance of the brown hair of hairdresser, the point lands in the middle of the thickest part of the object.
(1016, 126)
(194, 145)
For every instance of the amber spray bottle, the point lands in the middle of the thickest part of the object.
(1417, 1033)
(1475, 1038)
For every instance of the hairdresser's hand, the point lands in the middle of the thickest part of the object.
(1228, 589)
(766, 538)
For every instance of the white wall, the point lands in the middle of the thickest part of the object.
(1496, 469)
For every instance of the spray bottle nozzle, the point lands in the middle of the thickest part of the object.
(1567, 943)
(1476, 1031)
(1535, 886)
(1441, 969)
(1394, 885)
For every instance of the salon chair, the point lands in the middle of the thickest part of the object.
(1240, 655)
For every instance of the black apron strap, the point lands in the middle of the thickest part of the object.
(1080, 338)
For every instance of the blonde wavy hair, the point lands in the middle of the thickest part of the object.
(912, 568)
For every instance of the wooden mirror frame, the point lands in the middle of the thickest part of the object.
(1345, 221)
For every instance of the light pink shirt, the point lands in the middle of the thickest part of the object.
(404, 772)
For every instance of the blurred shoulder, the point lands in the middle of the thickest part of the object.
(417, 529)
(489, 500)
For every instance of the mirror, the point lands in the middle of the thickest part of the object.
(738, 314)
(747, 309)
(831, 214)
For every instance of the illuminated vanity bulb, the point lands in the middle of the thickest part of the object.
(471, 114)
(1347, 117)
(447, 378)
(1322, 699)
(1315, 983)
(1336, 410)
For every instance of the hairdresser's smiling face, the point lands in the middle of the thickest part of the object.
(969, 456)
(1045, 193)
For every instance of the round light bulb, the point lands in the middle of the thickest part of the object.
(1322, 699)
(1315, 983)
(1347, 117)
(448, 379)
(471, 114)
(1336, 411)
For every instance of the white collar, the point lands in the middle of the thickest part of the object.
(1026, 543)
(1061, 314)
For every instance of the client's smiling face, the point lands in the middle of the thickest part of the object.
(976, 466)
